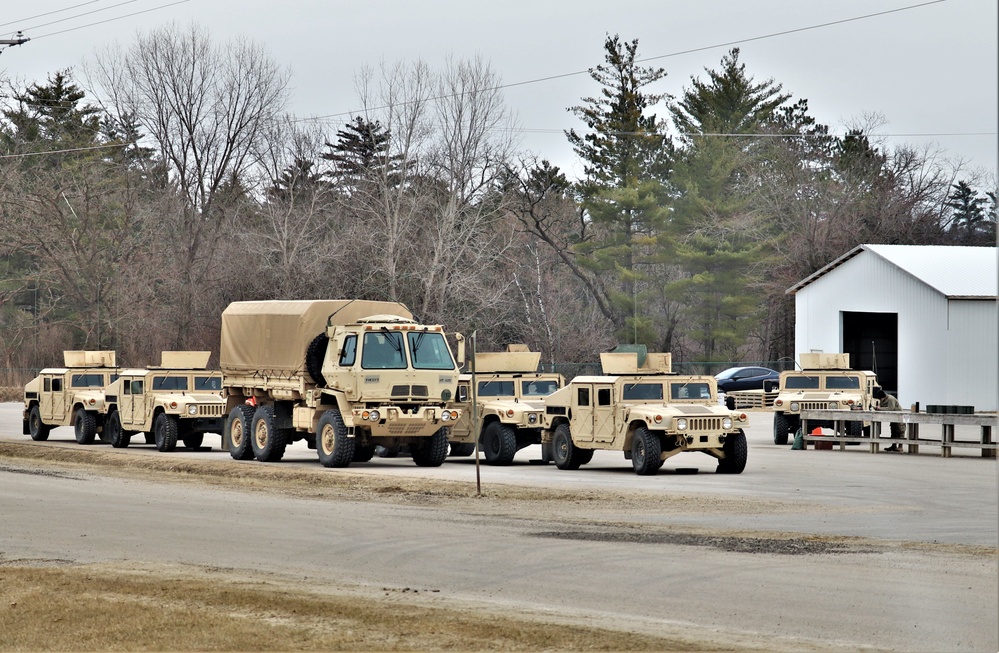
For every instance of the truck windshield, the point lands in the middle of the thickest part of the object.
(496, 388)
(429, 351)
(690, 390)
(539, 387)
(88, 381)
(382, 350)
(207, 383)
(842, 383)
(801, 383)
(642, 391)
(169, 383)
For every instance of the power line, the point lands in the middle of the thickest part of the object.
(86, 13)
(48, 13)
(22, 155)
(101, 22)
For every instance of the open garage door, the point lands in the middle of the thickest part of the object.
(871, 339)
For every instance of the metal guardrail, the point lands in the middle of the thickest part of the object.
(912, 438)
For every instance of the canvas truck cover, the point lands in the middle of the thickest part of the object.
(273, 336)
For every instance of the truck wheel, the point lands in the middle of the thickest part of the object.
(86, 427)
(334, 447)
(363, 454)
(237, 432)
(563, 450)
(119, 440)
(462, 448)
(193, 440)
(645, 452)
(38, 430)
(781, 428)
(267, 441)
(430, 452)
(314, 355)
(165, 430)
(736, 451)
(499, 443)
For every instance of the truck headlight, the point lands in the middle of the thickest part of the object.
(727, 423)
(192, 410)
(374, 416)
(446, 416)
(681, 424)
(532, 418)
(795, 406)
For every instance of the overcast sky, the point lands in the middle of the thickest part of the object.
(930, 70)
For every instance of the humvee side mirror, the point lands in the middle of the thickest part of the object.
(730, 403)
(768, 385)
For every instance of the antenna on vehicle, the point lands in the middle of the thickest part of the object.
(874, 357)
(329, 320)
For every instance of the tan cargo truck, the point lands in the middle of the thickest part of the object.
(179, 399)
(640, 408)
(72, 395)
(344, 375)
(510, 401)
(824, 382)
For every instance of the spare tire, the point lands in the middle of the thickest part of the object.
(314, 356)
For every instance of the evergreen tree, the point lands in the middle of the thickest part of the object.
(968, 218)
(361, 150)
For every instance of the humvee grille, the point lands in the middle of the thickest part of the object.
(704, 424)
(818, 405)
(211, 410)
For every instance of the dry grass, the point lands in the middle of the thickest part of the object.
(97, 608)
(8, 393)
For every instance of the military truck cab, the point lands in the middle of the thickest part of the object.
(178, 400)
(640, 408)
(70, 396)
(509, 402)
(824, 382)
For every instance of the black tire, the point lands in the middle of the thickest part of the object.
(736, 451)
(85, 427)
(193, 440)
(563, 449)
(499, 443)
(363, 454)
(855, 429)
(237, 432)
(430, 452)
(387, 452)
(334, 447)
(268, 441)
(646, 450)
(150, 437)
(781, 428)
(119, 438)
(165, 430)
(462, 449)
(36, 427)
(314, 355)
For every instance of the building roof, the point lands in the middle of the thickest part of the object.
(956, 272)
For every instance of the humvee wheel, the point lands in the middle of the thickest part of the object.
(781, 428)
(646, 450)
(335, 449)
(430, 452)
(499, 443)
(268, 442)
(85, 427)
(150, 437)
(736, 452)
(563, 450)
(38, 430)
(165, 430)
(462, 448)
(237, 432)
(119, 440)
(193, 440)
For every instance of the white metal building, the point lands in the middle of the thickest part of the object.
(924, 317)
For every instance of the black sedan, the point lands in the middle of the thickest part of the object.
(745, 378)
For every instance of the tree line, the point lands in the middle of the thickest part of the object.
(132, 213)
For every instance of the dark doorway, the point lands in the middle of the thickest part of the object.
(871, 339)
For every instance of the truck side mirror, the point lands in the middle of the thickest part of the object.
(461, 352)
(462, 393)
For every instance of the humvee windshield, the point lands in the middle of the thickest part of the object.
(207, 383)
(842, 383)
(538, 387)
(690, 390)
(496, 389)
(801, 383)
(169, 383)
(642, 391)
(429, 351)
(88, 381)
(383, 351)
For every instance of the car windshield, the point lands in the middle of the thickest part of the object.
(88, 381)
(539, 387)
(842, 383)
(496, 389)
(429, 351)
(801, 383)
(690, 390)
(207, 383)
(642, 391)
(169, 383)
(728, 374)
(383, 351)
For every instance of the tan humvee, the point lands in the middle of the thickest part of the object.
(510, 403)
(345, 375)
(642, 409)
(70, 396)
(824, 382)
(179, 399)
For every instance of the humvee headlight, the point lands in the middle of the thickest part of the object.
(192, 410)
(681, 424)
(374, 416)
(658, 419)
(727, 423)
(532, 418)
(794, 406)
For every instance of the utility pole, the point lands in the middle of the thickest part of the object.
(19, 39)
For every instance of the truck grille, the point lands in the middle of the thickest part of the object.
(409, 391)
(211, 410)
(399, 430)
(704, 424)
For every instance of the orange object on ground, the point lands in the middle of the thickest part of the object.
(821, 445)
